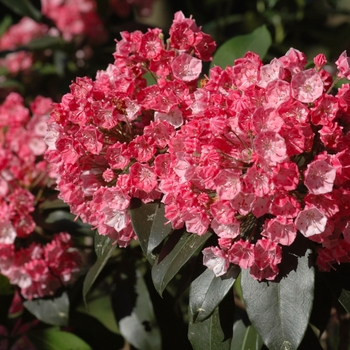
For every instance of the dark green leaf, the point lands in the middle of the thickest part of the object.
(5, 287)
(245, 337)
(96, 269)
(160, 229)
(94, 332)
(311, 341)
(102, 245)
(280, 311)
(208, 334)
(11, 83)
(139, 327)
(23, 8)
(52, 311)
(5, 24)
(44, 42)
(338, 282)
(54, 339)
(164, 271)
(207, 291)
(142, 216)
(258, 41)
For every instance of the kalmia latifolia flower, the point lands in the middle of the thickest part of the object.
(257, 153)
(37, 263)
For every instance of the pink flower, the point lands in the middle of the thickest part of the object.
(343, 65)
(271, 147)
(186, 68)
(319, 177)
(311, 221)
(215, 260)
(307, 86)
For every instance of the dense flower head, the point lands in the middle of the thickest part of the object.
(38, 269)
(257, 153)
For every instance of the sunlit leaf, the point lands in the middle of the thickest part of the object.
(52, 311)
(55, 339)
(280, 311)
(23, 8)
(207, 291)
(164, 271)
(258, 41)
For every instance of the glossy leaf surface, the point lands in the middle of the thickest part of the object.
(207, 291)
(52, 311)
(280, 311)
(164, 271)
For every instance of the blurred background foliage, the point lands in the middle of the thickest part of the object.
(311, 26)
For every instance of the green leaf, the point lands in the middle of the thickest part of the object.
(207, 291)
(208, 334)
(142, 217)
(136, 319)
(164, 271)
(280, 311)
(102, 244)
(52, 311)
(23, 8)
(44, 42)
(96, 269)
(94, 331)
(5, 287)
(150, 225)
(5, 24)
(11, 83)
(258, 41)
(161, 228)
(54, 339)
(338, 282)
(245, 337)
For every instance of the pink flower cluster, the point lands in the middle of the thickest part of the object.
(72, 18)
(258, 153)
(38, 269)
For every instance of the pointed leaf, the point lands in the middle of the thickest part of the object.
(245, 337)
(161, 228)
(138, 325)
(142, 216)
(208, 334)
(258, 41)
(207, 291)
(23, 8)
(280, 311)
(96, 269)
(164, 271)
(51, 311)
(54, 339)
(102, 245)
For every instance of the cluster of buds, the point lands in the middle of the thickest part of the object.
(33, 261)
(257, 154)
